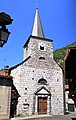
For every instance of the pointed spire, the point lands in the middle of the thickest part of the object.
(37, 26)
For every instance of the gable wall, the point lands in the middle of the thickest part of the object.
(27, 76)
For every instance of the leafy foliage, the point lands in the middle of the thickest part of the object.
(59, 54)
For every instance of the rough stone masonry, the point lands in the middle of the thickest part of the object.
(38, 78)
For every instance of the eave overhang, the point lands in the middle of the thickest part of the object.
(5, 19)
(70, 62)
(39, 38)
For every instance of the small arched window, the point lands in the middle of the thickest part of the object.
(42, 81)
(41, 47)
(41, 58)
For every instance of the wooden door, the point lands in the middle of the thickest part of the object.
(42, 105)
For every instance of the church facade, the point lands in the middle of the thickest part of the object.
(38, 78)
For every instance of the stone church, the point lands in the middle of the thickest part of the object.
(38, 78)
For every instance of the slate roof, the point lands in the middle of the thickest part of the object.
(37, 29)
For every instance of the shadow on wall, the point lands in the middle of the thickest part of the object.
(14, 101)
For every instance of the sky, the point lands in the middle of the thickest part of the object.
(58, 18)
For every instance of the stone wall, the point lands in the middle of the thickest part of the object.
(40, 65)
(5, 97)
(33, 48)
(26, 78)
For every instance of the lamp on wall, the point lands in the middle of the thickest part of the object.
(5, 19)
(4, 34)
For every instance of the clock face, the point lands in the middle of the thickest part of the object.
(42, 47)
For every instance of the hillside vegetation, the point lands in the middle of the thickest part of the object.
(59, 54)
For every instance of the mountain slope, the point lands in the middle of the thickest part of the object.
(59, 54)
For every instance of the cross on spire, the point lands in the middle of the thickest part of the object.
(36, 4)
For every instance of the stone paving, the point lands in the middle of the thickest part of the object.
(47, 117)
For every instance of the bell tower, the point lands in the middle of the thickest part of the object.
(37, 43)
